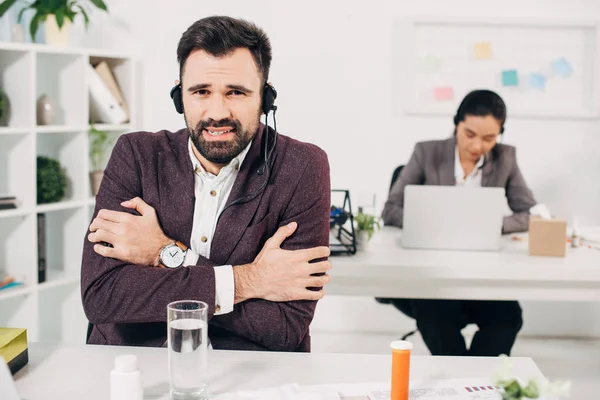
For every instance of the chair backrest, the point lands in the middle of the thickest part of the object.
(395, 175)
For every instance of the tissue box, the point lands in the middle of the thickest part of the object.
(13, 347)
(547, 237)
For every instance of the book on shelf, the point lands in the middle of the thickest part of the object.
(104, 107)
(8, 202)
(7, 282)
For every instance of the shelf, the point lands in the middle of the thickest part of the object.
(61, 205)
(13, 131)
(56, 279)
(113, 128)
(44, 48)
(15, 292)
(60, 129)
(15, 212)
(51, 310)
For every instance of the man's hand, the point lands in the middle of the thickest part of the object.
(282, 275)
(135, 239)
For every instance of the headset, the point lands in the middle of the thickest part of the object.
(269, 94)
(468, 98)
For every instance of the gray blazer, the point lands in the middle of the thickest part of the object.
(432, 163)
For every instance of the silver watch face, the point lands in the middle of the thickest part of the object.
(172, 256)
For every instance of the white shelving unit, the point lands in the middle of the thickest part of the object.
(51, 310)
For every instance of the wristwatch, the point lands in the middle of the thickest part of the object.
(172, 255)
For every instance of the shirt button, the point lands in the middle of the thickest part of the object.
(204, 239)
(217, 308)
(213, 193)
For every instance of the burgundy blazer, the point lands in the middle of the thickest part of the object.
(127, 304)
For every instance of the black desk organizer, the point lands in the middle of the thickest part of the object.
(341, 224)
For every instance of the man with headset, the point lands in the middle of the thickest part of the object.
(472, 157)
(226, 211)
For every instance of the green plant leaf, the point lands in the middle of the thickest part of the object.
(51, 180)
(5, 6)
(513, 390)
(100, 4)
(85, 16)
(60, 17)
(531, 390)
(35, 22)
(20, 17)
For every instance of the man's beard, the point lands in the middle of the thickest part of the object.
(222, 152)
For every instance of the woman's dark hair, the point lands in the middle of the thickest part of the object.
(219, 36)
(482, 103)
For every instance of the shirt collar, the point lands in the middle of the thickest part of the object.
(233, 164)
(459, 173)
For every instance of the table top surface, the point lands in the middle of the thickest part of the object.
(82, 372)
(386, 257)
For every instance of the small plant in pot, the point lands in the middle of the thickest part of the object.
(513, 388)
(51, 181)
(366, 225)
(57, 16)
(4, 108)
(100, 142)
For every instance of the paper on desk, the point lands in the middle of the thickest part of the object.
(291, 391)
(540, 210)
(435, 389)
(447, 389)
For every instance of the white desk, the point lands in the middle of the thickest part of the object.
(82, 372)
(388, 270)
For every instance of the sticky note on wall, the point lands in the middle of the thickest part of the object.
(510, 77)
(443, 93)
(537, 81)
(562, 67)
(430, 64)
(483, 51)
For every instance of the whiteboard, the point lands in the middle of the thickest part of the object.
(540, 69)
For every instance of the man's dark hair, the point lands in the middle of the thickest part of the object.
(481, 103)
(219, 36)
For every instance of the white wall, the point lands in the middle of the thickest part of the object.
(332, 68)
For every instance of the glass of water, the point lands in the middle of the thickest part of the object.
(187, 338)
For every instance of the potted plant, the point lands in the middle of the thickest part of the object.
(4, 108)
(365, 228)
(536, 389)
(51, 180)
(57, 16)
(100, 141)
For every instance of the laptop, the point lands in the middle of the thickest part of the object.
(8, 388)
(453, 218)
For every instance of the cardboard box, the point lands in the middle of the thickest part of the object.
(547, 237)
(13, 347)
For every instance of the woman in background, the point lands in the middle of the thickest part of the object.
(472, 157)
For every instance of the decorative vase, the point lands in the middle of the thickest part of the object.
(56, 36)
(95, 180)
(46, 110)
(362, 241)
(4, 109)
(17, 34)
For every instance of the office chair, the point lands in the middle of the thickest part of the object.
(89, 332)
(401, 304)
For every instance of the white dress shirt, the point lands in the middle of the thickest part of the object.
(473, 179)
(211, 193)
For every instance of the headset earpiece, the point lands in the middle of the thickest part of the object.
(176, 96)
(268, 99)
